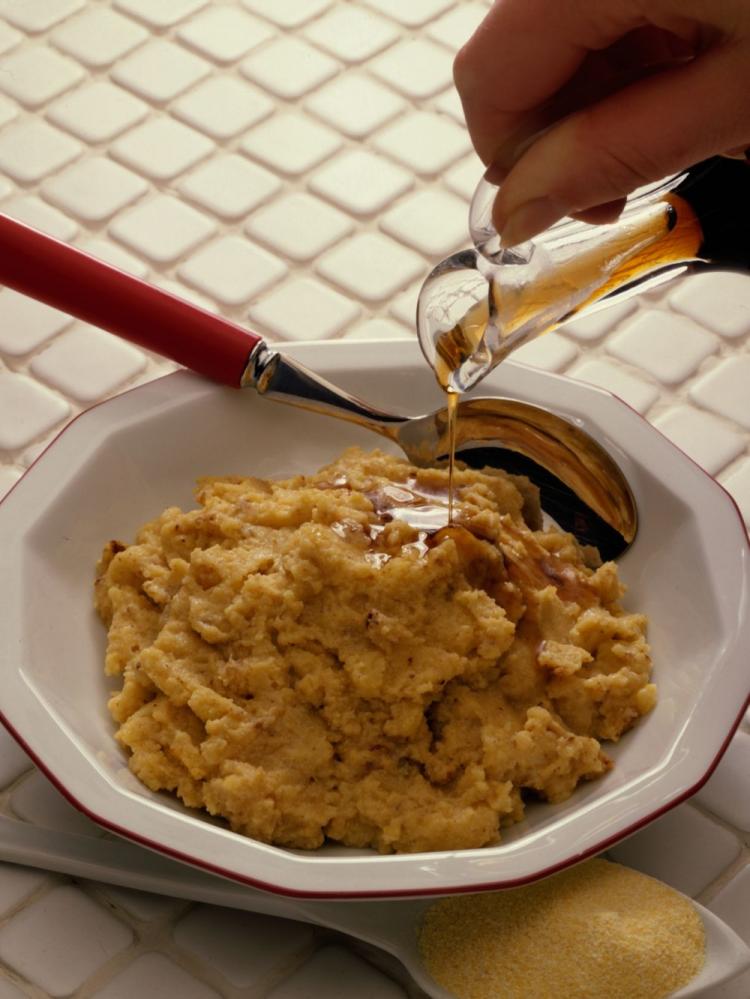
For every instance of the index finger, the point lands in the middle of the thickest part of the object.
(522, 54)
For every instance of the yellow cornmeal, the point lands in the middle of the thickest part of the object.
(296, 659)
(596, 931)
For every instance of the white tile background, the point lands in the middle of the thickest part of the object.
(297, 165)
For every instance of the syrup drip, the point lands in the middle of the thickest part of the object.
(426, 510)
(505, 570)
(452, 398)
(453, 348)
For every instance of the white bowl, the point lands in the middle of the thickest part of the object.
(122, 462)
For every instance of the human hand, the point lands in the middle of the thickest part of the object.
(575, 103)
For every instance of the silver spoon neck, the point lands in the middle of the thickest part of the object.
(279, 378)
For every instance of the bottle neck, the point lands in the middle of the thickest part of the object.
(718, 194)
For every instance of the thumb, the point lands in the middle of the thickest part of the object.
(647, 131)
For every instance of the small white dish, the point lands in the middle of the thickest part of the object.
(125, 460)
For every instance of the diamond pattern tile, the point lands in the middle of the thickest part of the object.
(432, 222)
(35, 75)
(162, 228)
(223, 106)
(248, 948)
(304, 309)
(337, 974)
(157, 977)
(351, 34)
(229, 186)
(299, 226)
(232, 270)
(97, 112)
(360, 182)
(416, 68)
(463, 178)
(457, 25)
(87, 364)
(380, 329)
(32, 149)
(68, 921)
(288, 67)
(413, 14)
(189, 294)
(93, 189)
(707, 440)
(8, 110)
(355, 104)
(287, 13)
(160, 70)
(142, 905)
(666, 346)
(404, 306)
(370, 266)
(719, 301)
(639, 394)
(732, 904)
(9, 38)
(291, 143)
(162, 148)
(670, 850)
(17, 883)
(720, 795)
(25, 324)
(31, 453)
(35, 212)
(725, 389)
(8, 990)
(423, 142)
(591, 328)
(224, 33)
(161, 14)
(115, 255)
(98, 36)
(550, 352)
(314, 166)
(450, 103)
(38, 15)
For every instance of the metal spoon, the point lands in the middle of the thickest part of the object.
(392, 925)
(582, 487)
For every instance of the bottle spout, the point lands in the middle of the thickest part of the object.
(480, 305)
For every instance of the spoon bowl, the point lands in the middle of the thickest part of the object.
(395, 928)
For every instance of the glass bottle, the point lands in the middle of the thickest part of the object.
(479, 305)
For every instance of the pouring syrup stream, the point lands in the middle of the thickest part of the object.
(452, 399)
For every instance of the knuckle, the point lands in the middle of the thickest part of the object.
(463, 69)
(622, 165)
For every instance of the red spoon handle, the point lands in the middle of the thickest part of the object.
(68, 279)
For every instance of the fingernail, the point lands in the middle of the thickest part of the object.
(531, 218)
